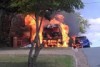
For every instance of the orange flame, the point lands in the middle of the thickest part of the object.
(30, 21)
(58, 19)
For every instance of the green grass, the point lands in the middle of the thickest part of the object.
(42, 61)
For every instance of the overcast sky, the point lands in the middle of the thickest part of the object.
(91, 12)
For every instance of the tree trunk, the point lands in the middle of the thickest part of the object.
(37, 49)
(32, 59)
(35, 56)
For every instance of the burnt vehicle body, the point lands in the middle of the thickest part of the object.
(82, 42)
(52, 35)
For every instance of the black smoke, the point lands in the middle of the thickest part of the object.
(72, 21)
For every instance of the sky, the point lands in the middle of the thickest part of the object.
(91, 12)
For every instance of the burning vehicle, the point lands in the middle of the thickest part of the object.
(79, 42)
(82, 42)
(52, 35)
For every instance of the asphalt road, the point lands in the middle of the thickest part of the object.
(93, 56)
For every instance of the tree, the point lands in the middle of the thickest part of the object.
(5, 19)
(6, 14)
(42, 8)
(83, 23)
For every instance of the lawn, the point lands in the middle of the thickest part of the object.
(42, 61)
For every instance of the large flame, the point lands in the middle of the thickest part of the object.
(65, 30)
(58, 19)
(30, 21)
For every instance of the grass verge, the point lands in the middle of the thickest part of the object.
(42, 61)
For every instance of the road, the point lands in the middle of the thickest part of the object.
(93, 56)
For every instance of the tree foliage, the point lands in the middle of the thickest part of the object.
(83, 23)
(41, 5)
